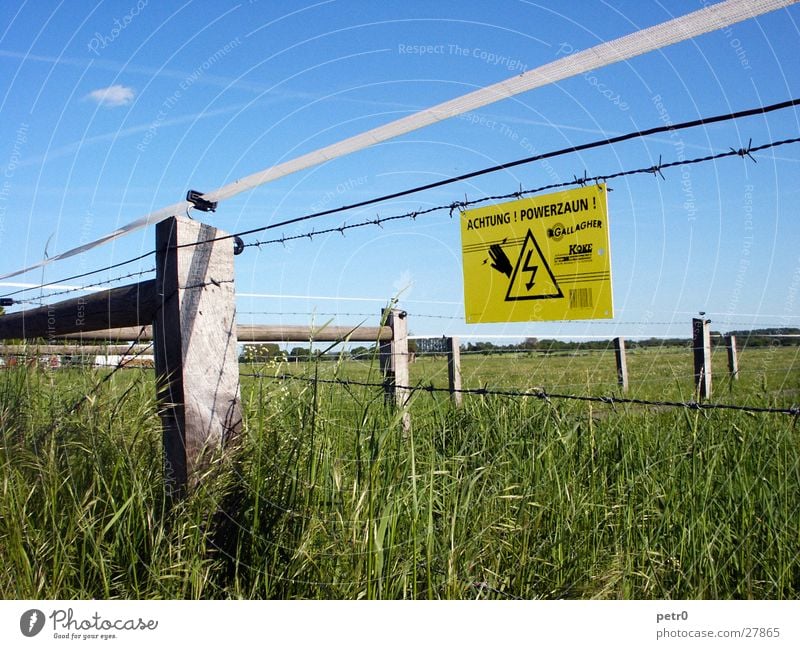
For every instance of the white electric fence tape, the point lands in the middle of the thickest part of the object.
(667, 33)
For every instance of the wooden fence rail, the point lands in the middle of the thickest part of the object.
(126, 306)
(249, 334)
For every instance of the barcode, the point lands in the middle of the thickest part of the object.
(580, 298)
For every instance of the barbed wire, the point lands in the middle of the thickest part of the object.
(420, 314)
(77, 289)
(79, 275)
(767, 370)
(509, 165)
(655, 170)
(348, 314)
(538, 393)
(311, 313)
(782, 316)
(460, 318)
(579, 384)
(610, 378)
(506, 352)
(751, 324)
(578, 348)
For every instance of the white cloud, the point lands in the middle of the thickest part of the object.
(112, 96)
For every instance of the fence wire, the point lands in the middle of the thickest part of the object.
(79, 275)
(655, 170)
(536, 393)
(78, 289)
(663, 128)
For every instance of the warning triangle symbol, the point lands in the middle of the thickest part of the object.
(532, 278)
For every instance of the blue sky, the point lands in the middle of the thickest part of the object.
(112, 111)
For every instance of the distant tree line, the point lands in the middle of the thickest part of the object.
(767, 337)
(266, 352)
(744, 338)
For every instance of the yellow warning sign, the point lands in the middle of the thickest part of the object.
(541, 258)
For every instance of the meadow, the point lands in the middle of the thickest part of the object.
(323, 497)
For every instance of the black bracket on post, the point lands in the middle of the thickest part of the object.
(238, 245)
(200, 203)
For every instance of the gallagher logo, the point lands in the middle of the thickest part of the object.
(557, 232)
(31, 622)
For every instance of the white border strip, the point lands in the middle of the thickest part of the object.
(616, 623)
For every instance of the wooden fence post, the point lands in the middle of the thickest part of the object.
(733, 358)
(394, 364)
(701, 341)
(454, 369)
(194, 331)
(622, 363)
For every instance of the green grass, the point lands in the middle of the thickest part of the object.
(325, 498)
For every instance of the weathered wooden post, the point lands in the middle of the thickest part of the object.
(454, 369)
(394, 363)
(701, 342)
(194, 332)
(622, 363)
(733, 357)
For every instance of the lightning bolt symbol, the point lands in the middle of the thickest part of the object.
(529, 269)
(32, 621)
